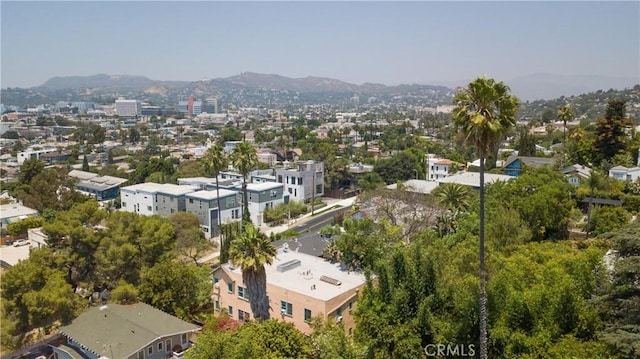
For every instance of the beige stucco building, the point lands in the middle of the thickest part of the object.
(299, 287)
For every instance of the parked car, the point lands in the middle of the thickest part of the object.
(20, 242)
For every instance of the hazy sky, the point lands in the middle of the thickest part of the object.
(385, 42)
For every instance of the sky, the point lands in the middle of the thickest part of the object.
(357, 42)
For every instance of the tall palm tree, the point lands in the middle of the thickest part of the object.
(250, 251)
(484, 111)
(244, 158)
(565, 113)
(215, 161)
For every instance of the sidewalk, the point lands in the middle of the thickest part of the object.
(283, 227)
(300, 220)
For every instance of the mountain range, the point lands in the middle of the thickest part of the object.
(250, 89)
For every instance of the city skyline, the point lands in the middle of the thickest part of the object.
(357, 42)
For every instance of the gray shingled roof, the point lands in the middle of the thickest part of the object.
(122, 330)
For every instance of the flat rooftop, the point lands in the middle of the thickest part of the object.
(473, 178)
(263, 186)
(164, 188)
(13, 210)
(301, 279)
(208, 195)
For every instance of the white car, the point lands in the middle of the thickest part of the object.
(20, 242)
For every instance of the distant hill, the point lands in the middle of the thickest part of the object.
(244, 80)
(102, 81)
(549, 86)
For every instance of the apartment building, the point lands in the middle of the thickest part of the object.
(302, 180)
(204, 204)
(153, 198)
(128, 108)
(263, 196)
(299, 287)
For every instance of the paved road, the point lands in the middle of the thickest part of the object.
(308, 227)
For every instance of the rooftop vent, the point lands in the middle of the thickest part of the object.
(288, 265)
(330, 280)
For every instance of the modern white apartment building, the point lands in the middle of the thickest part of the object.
(128, 107)
(204, 204)
(263, 196)
(153, 198)
(302, 180)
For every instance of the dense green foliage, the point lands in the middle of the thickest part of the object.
(268, 339)
(91, 250)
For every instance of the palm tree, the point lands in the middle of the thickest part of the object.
(250, 251)
(565, 113)
(244, 158)
(454, 196)
(484, 111)
(215, 161)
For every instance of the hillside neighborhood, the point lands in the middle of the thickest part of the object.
(178, 228)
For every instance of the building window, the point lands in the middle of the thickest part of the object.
(350, 306)
(150, 350)
(307, 314)
(148, 208)
(217, 304)
(190, 200)
(339, 312)
(230, 310)
(160, 346)
(242, 293)
(167, 345)
(286, 308)
(243, 316)
(184, 338)
(141, 354)
(230, 288)
(280, 178)
(124, 204)
(290, 191)
(299, 180)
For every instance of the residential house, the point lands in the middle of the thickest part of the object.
(514, 165)
(55, 156)
(14, 212)
(299, 287)
(33, 153)
(472, 179)
(153, 198)
(302, 180)
(576, 173)
(204, 204)
(623, 173)
(438, 168)
(101, 187)
(135, 331)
